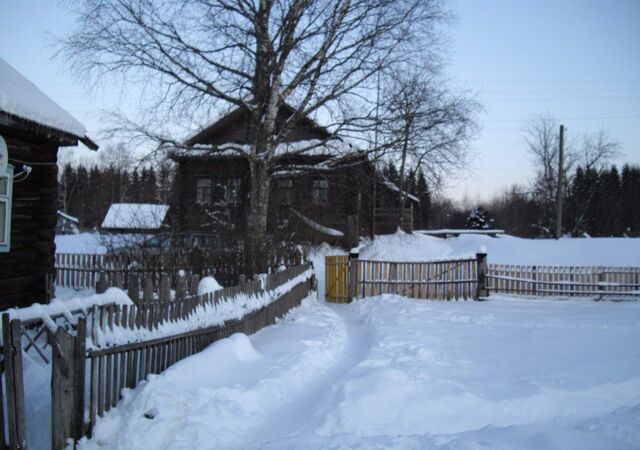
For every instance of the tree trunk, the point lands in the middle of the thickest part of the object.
(256, 233)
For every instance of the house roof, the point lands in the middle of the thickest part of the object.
(135, 216)
(21, 99)
(202, 136)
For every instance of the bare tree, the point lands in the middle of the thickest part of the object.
(590, 151)
(597, 150)
(426, 127)
(199, 55)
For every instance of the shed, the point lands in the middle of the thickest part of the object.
(33, 127)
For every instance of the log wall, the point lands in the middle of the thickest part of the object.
(26, 270)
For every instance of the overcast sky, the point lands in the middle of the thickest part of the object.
(576, 59)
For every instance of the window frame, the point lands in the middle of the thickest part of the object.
(320, 192)
(7, 199)
(203, 193)
(285, 191)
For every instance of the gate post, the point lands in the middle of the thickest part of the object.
(481, 257)
(67, 385)
(353, 274)
(12, 348)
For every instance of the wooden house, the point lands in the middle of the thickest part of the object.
(33, 127)
(328, 192)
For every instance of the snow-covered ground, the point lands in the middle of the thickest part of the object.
(506, 249)
(389, 372)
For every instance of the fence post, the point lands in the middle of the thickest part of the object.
(117, 280)
(181, 285)
(353, 274)
(134, 286)
(102, 284)
(483, 292)
(165, 288)
(12, 348)
(195, 281)
(67, 385)
(147, 294)
(535, 280)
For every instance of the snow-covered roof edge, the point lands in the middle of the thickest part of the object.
(67, 216)
(138, 216)
(21, 98)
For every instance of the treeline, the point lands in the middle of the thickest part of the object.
(598, 203)
(88, 193)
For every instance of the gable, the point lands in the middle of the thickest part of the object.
(237, 127)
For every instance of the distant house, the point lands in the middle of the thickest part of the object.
(331, 192)
(32, 127)
(135, 218)
(66, 224)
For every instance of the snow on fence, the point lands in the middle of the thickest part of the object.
(589, 281)
(445, 279)
(126, 343)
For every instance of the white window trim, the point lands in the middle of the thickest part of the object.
(5, 243)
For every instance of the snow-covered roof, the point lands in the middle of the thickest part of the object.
(67, 217)
(311, 147)
(135, 216)
(21, 98)
(391, 185)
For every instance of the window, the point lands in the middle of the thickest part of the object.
(203, 191)
(285, 192)
(320, 192)
(232, 194)
(6, 185)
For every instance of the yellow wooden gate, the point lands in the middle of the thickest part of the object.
(336, 279)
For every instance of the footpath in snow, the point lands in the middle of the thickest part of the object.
(389, 372)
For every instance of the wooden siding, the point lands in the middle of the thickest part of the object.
(26, 270)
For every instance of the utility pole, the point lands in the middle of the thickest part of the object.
(560, 191)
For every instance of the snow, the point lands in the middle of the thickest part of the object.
(208, 285)
(21, 98)
(67, 217)
(505, 249)
(65, 306)
(312, 147)
(138, 216)
(86, 243)
(394, 373)
(391, 185)
(316, 226)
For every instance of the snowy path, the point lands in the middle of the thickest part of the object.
(396, 373)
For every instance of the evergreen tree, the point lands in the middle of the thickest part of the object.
(479, 219)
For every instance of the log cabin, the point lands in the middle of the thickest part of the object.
(322, 188)
(32, 129)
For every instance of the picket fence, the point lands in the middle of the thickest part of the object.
(590, 281)
(347, 277)
(115, 367)
(83, 271)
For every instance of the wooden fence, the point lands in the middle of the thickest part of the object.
(12, 409)
(113, 368)
(455, 279)
(82, 271)
(589, 281)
